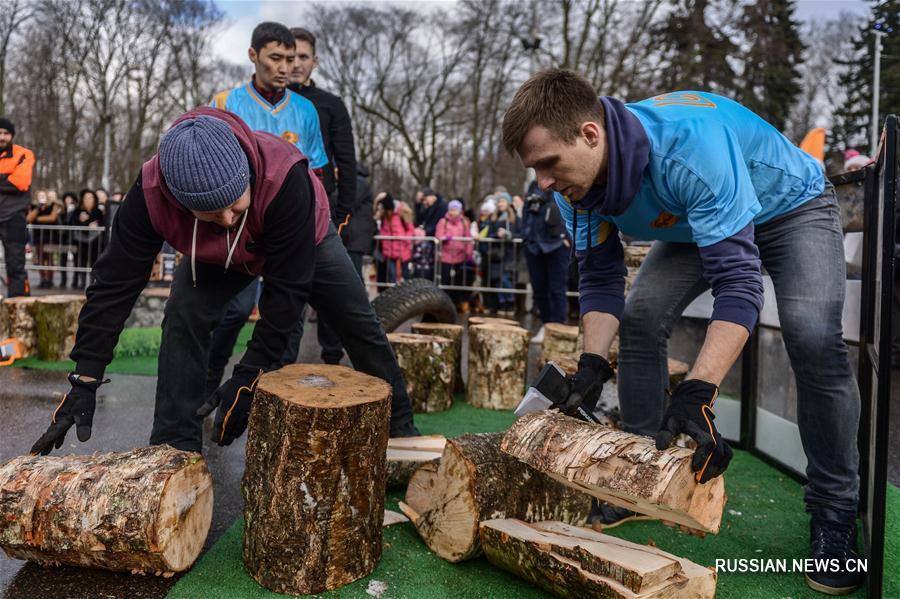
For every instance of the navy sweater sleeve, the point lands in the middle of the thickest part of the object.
(290, 248)
(732, 268)
(601, 270)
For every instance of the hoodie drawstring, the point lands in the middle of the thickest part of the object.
(231, 246)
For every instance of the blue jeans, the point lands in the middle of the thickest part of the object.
(340, 298)
(803, 252)
(548, 283)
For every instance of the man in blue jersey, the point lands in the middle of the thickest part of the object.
(723, 193)
(266, 104)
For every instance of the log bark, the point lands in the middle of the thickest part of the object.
(19, 314)
(624, 469)
(146, 510)
(56, 322)
(577, 562)
(314, 480)
(453, 332)
(427, 363)
(477, 320)
(406, 454)
(4, 321)
(476, 482)
(498, 365)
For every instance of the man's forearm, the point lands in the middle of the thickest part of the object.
(724, 343)
(599, 330)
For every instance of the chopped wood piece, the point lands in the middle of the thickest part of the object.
(314, 480)
(146, 510)
(498, 364)
(624, 469)
(406, 454)
(475, 482)
(391, 517)
(56, 322)
(427, 362)
(453, 332)
(577, 562)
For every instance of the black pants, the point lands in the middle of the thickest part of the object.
(332, 350)
(13, 235)
(340, 298)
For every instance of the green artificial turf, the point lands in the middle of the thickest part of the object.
(764, 518)
(136, 353)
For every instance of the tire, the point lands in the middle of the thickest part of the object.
(411, 298)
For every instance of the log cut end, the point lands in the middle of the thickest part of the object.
(406, 454)
(320, 386)
(185, 514)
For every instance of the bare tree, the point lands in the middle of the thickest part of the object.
(13, 15)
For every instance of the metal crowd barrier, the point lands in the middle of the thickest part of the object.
(68, 250)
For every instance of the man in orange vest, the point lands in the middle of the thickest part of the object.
(16, 164)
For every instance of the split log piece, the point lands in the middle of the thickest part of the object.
(624, 469)
(314, 480)
(498, 364)
(428, 368)
(391, 517)
(406, 454)
(476, 482)
(146, 510)
(576, 562)
(56, 322)
(19, 314)
(453, 332)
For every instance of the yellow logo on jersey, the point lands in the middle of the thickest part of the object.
(290, 137)
(682, 99)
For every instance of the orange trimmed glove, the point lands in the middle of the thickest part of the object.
(233, 400)
(690, 412)
(76, 408)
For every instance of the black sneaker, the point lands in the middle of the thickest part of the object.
(833, 537)
(606, 515)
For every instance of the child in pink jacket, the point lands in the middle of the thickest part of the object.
(455, 254)
(397, 253)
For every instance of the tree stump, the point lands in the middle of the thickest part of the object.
(453, 332)
(635, 254)
(562, 339)
(475, 481)
(578, 562)
(146, 510)
(314, 480)
(427, 363)
(477, 320)
(618, 467)
(498, 366)
(56, 321)
(19, 313)
(406, 454)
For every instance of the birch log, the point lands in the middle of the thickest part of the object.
(406, 454)
(427, 363)
(624, 469)
(56, 322)
(475, 482)
(477, 320)
(498, 365)
(314, 480)
(19, 313)
(580, 563)
(146, 510)
(453, 332)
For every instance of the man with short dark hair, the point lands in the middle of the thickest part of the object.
(723, 193)
(16, 165)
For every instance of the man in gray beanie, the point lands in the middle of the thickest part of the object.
(239, 204)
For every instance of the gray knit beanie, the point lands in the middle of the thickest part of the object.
(203, 164)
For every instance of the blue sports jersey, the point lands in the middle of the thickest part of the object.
(294, 118)
(714, 167)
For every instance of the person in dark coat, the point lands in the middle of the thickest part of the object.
(359, 233)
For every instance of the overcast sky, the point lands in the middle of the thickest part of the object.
(243, 15)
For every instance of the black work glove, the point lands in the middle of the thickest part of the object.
(77, 407)
(233, 400)
(585, 387)
(690, 412)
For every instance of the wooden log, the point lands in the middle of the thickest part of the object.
(635, 254)
(478, 320)
(406, 454)
(476, 482)
(4, 321)
(453, 332)
(314, 480)
(428, 366)
(677, 371)
(624, 469)
(20, 321)
(146, 510)
(562, 339)
(498, 365)
(56, 321)
(577, 562)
